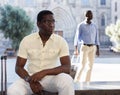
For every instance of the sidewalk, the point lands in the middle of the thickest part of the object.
(106, 52)
(106, 67)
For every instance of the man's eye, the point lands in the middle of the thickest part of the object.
(48, 21)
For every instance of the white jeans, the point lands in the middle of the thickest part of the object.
(87, 55)
(61, 83)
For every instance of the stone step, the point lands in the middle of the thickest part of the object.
(89, 92)
(94, 88)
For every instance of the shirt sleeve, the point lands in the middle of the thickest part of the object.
(76, 38)
(97, 37)
(22, 52)
(64, 51)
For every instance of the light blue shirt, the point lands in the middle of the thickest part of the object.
(87, 34)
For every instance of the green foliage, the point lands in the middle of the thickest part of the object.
(15, 24)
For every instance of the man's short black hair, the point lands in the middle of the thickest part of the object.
(88, 11)
(43, 13)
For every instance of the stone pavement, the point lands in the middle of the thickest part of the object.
(106, 67)
(106, 52)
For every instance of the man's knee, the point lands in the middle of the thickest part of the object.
(12, 91)
(65, 79)
(19, 87)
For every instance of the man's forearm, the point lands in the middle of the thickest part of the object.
(21, 72)
(76, 47)
(57, 70)
(97, 47)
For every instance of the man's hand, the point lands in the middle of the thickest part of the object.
(97, 51)
(37, 76)
(36, 87)
(76, 52)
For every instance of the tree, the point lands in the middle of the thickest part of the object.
(113, 31)
(15, 24)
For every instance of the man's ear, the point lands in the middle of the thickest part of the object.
(86, 15)
(38, 23)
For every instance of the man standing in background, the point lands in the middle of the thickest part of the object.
(87, 35)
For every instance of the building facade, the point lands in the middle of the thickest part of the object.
(68, 13)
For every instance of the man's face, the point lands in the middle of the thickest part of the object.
(47, 24)
(89, 15)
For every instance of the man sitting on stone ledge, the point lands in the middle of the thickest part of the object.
(41, 50)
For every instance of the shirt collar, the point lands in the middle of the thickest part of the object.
(51, 37)
(86, 22)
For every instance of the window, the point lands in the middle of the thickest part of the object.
(85, 2)
(11, 1)
(72, 3)
(45, 3)
(103, 2)
(103, 21)
(116, 18)
(29, 2)
(58, 1)
(115, 6)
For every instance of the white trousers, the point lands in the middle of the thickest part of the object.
(61, 83)
(87, 55)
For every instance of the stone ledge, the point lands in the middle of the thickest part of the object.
(90, 92)
(98, 92)
(93, 88)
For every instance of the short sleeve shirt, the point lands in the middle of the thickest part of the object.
(42, 57)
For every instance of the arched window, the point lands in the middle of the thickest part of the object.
(103, 20)
(115, 6)
(103, 2)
